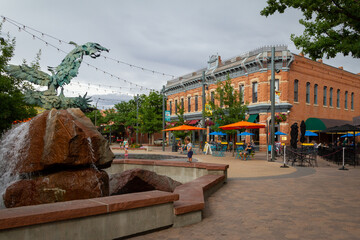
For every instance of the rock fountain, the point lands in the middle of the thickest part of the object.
(57, 156)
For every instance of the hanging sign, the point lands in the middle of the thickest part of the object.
(167, 116)
(277, 96)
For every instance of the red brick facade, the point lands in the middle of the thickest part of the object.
(307, 72)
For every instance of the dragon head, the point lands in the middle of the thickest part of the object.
(93, 49)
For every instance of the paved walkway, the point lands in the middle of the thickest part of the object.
(263, 201)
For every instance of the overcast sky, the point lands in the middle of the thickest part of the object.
(172, 37)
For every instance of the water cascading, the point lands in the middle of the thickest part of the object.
(12, 146)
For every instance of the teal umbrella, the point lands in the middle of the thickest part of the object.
(280, 133)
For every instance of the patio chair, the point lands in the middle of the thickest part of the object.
(214, 151)
(239, 152)
(222, 151)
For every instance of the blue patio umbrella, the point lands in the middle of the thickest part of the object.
(245, 134)
(280, 133)
(358, 134)
(218, 134)
(310, 134)
(348, 135)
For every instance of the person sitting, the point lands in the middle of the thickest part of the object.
(180, 146)
(247, 151)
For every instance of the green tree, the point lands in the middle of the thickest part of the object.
(179, 122)
(13, 106)
(230, 109)
(331, 26)
(150, 114)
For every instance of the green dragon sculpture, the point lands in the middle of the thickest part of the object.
(61, 75)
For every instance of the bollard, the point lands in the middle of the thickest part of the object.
(284, 166)
(343, 165)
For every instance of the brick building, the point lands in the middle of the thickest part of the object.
(307, 90)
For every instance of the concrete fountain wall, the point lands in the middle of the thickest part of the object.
(34, 161)
(118, 216)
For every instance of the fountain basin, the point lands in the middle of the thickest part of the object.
(122, 215)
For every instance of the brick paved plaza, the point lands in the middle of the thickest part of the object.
(263, 201)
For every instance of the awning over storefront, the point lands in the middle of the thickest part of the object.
(320, 124)
(252, 117)
(192, 122)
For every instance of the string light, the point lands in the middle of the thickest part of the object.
(89, 65)
(61, 41)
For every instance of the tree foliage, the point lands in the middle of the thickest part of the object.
(179, 122)
(13, 106)
(331, 26)
(150, 113)
(230, 108)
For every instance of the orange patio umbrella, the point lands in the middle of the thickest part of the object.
(183, 128)
(242, 125)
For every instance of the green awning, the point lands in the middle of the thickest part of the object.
(315, 124)
(252, 117)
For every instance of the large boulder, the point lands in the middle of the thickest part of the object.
(140, 180)
(58, 187)
(63, 138)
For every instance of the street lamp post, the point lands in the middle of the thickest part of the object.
(203, 111)
(272, 99)
(137, 119)
(163, 118)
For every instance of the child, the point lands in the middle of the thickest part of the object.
(126, 146)
(189, 149)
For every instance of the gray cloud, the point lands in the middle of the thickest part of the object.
(174, 37)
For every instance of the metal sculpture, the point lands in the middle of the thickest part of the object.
(61, 75)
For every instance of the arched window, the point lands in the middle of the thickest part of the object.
(189, 104)
(315, 94)
(241, 91)
(352, 101)
(331, 97)
(170, 107)
(325, 97)
(346, 100)
(296, 90)
(338, 98)
(176, 106)
(212, 97)
(182, 104)
(196, 103)
(307, 92)
(254, 92)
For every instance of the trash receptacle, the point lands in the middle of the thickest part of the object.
(174, 148)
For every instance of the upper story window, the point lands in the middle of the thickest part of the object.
(315, 94)
(331, 97)
(277, 86)
(212, 97)
(352, 101)
(241, 91)
(346, 100)
(254, 92)
(296, 90)
(307, 92)
(176, 106)
(196, 102)
(325, 97)
(338, 98)
(182, 104)
(170, 107)
(189, 104)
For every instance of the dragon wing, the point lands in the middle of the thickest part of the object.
(30, 74)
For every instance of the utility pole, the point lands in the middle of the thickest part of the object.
(163, 117)
(137, 119)
(96, 110)
(272, 99)
(202, 140)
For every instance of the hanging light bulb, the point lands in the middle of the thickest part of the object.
(19, 29)
(34, 37)
(60, 42)
(4, 19)
(47, 44)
